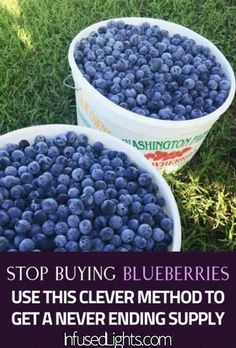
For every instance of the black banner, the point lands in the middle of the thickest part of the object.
(118, 300)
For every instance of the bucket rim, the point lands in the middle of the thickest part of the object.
(148, 121)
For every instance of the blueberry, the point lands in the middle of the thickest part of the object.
(17, 155)
(168, 239)
(42, 242)
(76, 206)
(166, 224)
(116, 240)
(224, 84)
(87, 197)
(4, 162)
(4, 244)
(121, 209)
(109, 248)
(98, 244)
(39, 138)
(189, 83)
(73, 221)
(11, 147)
(141, 99)
(34, 167)
(56, 169)
(17, 240)
(161, 246)
(61, 228)
(22, 169)
(17, 191)
(68, 151)
(115, 99)
(45, 179)
(140, 242)
(10, 181)
(71, 137)
(73, 234)
(122, 249)
(115, 222)
(196, 113)
(99, 197)
(97, 174)
(64, 179)
(20, 203)
(106, 233)
(77, 174)
(108, 207)
(48, 228)
(49, 205)
(219, 100)
(85, 243)
(60, 240)
(27, 245)
(117, 162)
(61, 249)
(72, 246)
(127, 235)
(10, 170)
(109, 176)
(158, 235)
(120, 183)
(27, 215)
(145, 230)
(7, 204)
(22, 226)
(130, 93)
(165, 114)
(131, 173)
(87, 182)
(212, 84)
(149, 244)
(41, 147)
(100, 222)
(60, 140)
(136, 207)
(144, 179)
(151, 208)
(14, 212)
(85, 226)
(126, 199)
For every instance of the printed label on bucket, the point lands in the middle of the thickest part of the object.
(166, 154)
(87, 117)
(169, 155)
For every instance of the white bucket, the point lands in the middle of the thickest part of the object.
(113, 143)
(168, 144)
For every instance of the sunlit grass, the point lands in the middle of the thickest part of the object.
(12, 6)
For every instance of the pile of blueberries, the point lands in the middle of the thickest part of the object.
(145, 70)
(65, 194)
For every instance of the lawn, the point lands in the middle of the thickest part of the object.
(34, 40)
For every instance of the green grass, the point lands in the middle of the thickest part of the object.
(34, 41)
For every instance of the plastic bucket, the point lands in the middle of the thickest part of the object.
(168, 144)
(115, 144)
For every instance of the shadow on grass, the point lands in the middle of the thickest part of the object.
(205, 191)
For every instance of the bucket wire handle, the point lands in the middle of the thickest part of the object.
(70, 86)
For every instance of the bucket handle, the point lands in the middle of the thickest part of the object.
(70, 86)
